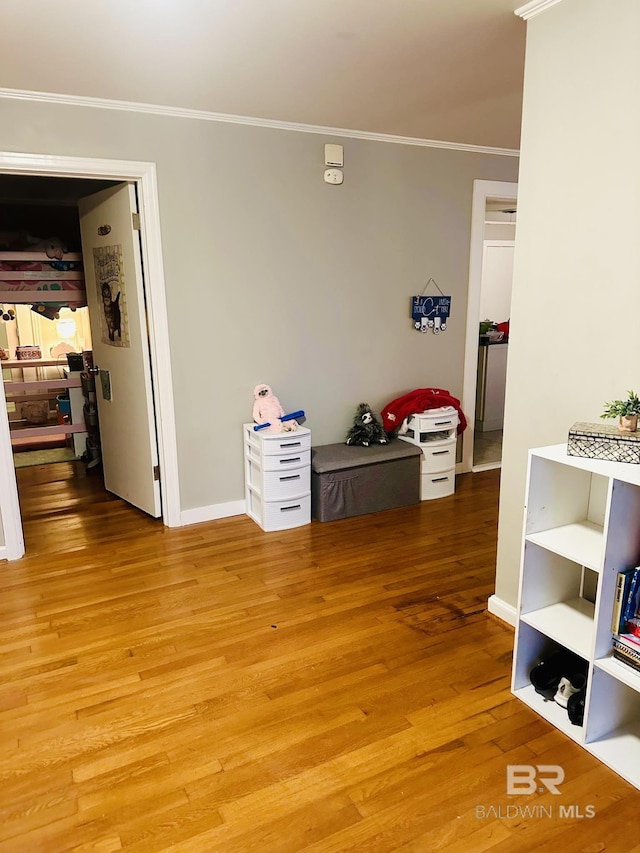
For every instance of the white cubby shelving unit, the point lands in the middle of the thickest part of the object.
(581, 526)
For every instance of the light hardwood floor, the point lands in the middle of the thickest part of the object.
(218, 689)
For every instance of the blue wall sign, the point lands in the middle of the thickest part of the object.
(430, 312)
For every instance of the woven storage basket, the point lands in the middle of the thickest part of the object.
(28, 353)
(595, 441)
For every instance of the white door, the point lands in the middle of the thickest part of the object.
(115, 295)
(497, 280)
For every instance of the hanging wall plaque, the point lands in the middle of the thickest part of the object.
(430, 312)
(112, 302)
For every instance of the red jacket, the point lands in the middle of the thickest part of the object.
(420, 400)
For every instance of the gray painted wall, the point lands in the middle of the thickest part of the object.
(274, 276)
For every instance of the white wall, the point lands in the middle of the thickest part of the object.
(576, 297)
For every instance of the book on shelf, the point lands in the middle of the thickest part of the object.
(630, 662)
(623, 582)
(625, 654)
(631, 600)
(630, 640)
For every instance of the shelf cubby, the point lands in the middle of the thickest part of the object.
(613, 724)
(582, 542)
(620, 671)
(554, 598)
(532, 647)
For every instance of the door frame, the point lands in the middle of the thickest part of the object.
(144, 176)
(482, 190)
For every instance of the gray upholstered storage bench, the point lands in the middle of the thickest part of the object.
(349, 480)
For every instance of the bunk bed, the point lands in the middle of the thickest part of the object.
(47, 284)
(35, 278)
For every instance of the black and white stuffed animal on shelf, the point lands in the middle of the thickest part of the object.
(366, 429)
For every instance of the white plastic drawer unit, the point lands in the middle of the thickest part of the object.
(431, 427)
(437, 485)
(281, 515)
(277, 462)
(439, 457)
(286, 443)
(286, 484)
(278, 477)
(434, 421)
(435, 433)
(286, 461)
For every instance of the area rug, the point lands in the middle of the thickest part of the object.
(43, 457)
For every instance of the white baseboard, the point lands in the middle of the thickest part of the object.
(211, 513)
(3, 552)
(502, 610)
(486, 466)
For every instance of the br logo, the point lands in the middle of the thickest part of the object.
(529, 778)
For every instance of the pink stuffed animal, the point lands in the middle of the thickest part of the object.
(267, 409)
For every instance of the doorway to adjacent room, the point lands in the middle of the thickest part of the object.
(142, 175)
(493, 211)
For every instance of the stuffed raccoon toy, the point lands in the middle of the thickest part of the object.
(366, 429)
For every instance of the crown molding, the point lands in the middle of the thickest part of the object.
(203, 115)
(535, 7)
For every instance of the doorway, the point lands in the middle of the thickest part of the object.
(493, 346)
(49, 317)
(489, 199)
(21, 167)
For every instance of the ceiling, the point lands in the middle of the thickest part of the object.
(37, 191)
(447, 70)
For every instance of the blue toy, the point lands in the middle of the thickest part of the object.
(291, 417)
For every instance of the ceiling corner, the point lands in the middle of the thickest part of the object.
(535, 7)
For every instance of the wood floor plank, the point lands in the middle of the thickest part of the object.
(217, 689)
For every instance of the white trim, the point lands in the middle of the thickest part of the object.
(203, 115)
(144, 174)
(486, 466)
(497, 243)
(482, 190)
(10, 521)
(213, 512)
(535, 7)
(504, 611)
(149, 209)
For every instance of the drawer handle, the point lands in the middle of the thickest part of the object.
(290, 444)
(439, 479)
(442, 423)
(289, 508)
(440, 452)
(293, 459)
(290, 477)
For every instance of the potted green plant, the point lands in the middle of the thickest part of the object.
(626, 411)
